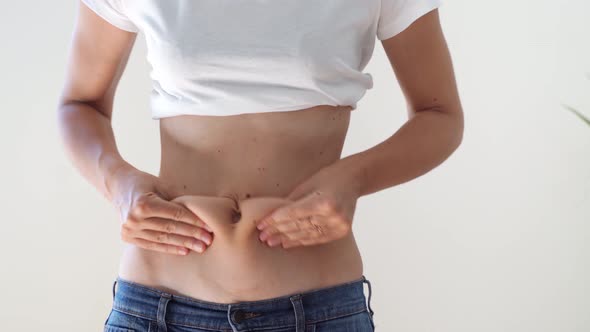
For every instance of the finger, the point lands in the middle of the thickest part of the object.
(309, 241)
(303, 242)
(161, 247)
(308, 223)
(287, 244)
(306, 238)
(154, 206)
(177, 227)
(299, 209)
(167, 238)
(170, 190)
(303, 235)
(274, 240)
(267, 233)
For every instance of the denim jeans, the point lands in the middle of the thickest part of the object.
(338, 308)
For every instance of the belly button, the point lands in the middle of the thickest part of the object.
(236, 216)
(236, 213)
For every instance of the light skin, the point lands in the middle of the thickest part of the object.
(422, 64)
(98, 55)
(322, 205)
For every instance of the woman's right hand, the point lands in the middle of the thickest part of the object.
(150, 220)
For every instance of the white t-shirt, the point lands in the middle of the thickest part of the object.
(226, 57)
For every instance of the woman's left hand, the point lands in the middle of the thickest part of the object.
(322, 210)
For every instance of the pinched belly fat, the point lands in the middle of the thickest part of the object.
(237, 266)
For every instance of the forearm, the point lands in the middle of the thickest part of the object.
(89, 142)
(421, 144)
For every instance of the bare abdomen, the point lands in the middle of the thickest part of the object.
(237, 266)
(256, 159)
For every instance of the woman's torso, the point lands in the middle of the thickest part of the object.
(256, 159)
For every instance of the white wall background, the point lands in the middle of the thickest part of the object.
(495, 239)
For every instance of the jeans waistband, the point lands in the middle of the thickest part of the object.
(293, 310)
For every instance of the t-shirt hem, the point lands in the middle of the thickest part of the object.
(114, 21)
(158, 115)
(418, 10)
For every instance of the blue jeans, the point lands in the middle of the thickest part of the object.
(339, 308)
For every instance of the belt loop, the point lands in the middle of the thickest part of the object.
(365, 280)
(229, 317)
(114, 284)
(299, 313)
(161, 314)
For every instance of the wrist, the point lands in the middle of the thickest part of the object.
(355, 174)
(112, 169)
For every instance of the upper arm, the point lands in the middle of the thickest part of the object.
(97, 57)
(421, 61)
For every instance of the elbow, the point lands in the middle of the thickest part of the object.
(455, 124)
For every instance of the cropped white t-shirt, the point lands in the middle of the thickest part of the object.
(227, 57)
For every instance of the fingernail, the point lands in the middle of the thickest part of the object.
(263, 236)
(182, 251)
(206, 238)
(198, 247)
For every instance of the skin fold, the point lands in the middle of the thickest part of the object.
(232, 180)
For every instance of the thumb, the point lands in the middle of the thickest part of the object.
(169, 191)
(301, 208)
(301, 190)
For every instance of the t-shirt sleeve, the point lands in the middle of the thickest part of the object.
(112, 11)
(396, 15)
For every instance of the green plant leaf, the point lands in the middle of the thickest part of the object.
(580, 115)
